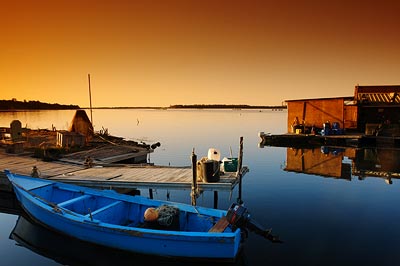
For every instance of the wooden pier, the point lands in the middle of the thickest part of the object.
(129, 176)
(309, 140)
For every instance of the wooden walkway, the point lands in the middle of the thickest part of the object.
(307, 140)
(120, 176)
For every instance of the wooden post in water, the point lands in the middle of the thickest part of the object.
(215, 199)
(193, 194)
(239, 170)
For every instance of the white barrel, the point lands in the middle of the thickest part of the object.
(214, 154)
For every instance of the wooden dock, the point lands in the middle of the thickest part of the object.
(116, 176)
(308, 140)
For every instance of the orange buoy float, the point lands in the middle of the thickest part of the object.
(151, 214)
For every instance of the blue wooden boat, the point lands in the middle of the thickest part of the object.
(64, 250)
(115, 220)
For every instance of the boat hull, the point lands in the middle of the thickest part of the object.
(169, 243)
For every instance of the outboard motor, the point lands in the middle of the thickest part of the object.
(239, 217)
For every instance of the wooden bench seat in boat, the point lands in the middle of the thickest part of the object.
(103, 208)
(220, 226)
(71, 201)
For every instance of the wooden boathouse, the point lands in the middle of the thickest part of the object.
(371, 116)
(370, 106)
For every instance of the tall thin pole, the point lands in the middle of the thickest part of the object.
(90, 98)
(239, 171)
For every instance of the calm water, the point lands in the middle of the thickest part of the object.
(323, 203)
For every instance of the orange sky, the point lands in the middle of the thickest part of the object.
(160, 53)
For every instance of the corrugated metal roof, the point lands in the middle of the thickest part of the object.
(375, 94)
(392, 97)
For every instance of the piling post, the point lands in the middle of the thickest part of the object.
(193, 194)
(239, 170)
(215, 199)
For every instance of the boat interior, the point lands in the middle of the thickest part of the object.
(102, 209)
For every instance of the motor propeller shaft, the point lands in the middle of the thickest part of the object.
(239, 216)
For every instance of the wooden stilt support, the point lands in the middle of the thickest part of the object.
(194, 192)
(215, 199)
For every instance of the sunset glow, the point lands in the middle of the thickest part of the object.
(161, 53)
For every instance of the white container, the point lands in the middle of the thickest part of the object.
(214, 154)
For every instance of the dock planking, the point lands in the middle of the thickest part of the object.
(120, 176)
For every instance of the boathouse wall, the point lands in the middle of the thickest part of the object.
(316, 112)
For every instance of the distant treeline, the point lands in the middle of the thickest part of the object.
(227, 106)
(37, 105)
(33, 105)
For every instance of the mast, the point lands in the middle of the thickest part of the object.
(90, 98)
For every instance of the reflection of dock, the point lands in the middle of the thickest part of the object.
(119, 176)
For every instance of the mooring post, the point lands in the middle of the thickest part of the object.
(193, 194)
(215, 199)
(239, 170)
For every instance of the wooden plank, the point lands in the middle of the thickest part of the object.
(220, 225)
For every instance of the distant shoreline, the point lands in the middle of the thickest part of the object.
(197, 106)
(7, 105)
(14, 105)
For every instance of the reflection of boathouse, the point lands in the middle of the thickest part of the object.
(371, 109)
(329, 162)
(323, 162)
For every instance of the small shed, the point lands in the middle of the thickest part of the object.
(81, 124)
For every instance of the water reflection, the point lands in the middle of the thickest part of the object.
(9, 203)
(345, 163)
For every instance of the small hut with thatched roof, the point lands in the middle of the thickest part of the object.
(81, 124)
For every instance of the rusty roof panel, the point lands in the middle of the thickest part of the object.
(378, 98)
